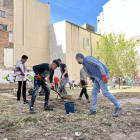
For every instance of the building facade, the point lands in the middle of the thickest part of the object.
(68, 39)
(120, 16)
(6, 34)
(29, 30)
(24, 29)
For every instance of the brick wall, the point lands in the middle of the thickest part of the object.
(7, 6)
(4, 42)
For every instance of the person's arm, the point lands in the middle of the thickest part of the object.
(93, 61)
(83, 73)
(66, 71)
(51, 77)
(18, 68)
(36, 68)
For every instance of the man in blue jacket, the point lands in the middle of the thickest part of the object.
(99, 74)
(41, 72)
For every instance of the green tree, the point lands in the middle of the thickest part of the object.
(118, 54)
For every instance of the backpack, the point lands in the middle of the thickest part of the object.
(42, 92)
(31, 91)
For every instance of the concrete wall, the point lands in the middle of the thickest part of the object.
(58, 43)
(89, 27)
(8, 80)
(74, 43)
(8, 57)
(66, 40)
(31, 31)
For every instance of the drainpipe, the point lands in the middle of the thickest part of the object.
(90, 44)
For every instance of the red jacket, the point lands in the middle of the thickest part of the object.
(56, 80)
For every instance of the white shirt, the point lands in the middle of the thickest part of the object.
(20, 68)
(71, 81)
(114, 79)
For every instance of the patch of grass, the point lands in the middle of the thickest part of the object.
(83, 117)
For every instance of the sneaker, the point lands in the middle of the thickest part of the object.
(80, 98)
(26, 103)
(117, 112)
(88, 100)
(32, 110)
(47, 108)
(91, 112)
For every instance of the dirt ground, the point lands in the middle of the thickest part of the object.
(57, 125)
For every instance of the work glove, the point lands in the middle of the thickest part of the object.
(62, 76)
(52, 88)
(104, 78)
(22, 74)
(39, 77)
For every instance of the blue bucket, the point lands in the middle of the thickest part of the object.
(70, 107)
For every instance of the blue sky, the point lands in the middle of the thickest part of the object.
(76, 11)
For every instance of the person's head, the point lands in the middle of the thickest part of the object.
(24, 58)
(73, 81)
(54, 64)
(60, 62)
(120, 76)
(79, 57)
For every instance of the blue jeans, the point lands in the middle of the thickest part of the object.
(37, 84)
(62, 86)
(103, 86)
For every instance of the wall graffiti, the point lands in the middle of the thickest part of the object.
(137, 79)
(12, 78)
(129, 81)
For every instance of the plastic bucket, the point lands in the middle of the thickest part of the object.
(70, 107)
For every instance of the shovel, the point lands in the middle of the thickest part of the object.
(51, 88)
(61, 96)
(20, 103)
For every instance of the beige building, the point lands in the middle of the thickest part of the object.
(68, 39)
(31, 31)
(29, 20)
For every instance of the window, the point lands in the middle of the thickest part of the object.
(2, 14)
(3, 27)
(87, 42)
(84, 43)
(98, 21)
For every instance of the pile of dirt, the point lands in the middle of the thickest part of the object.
(66, 96)
(59, 103)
